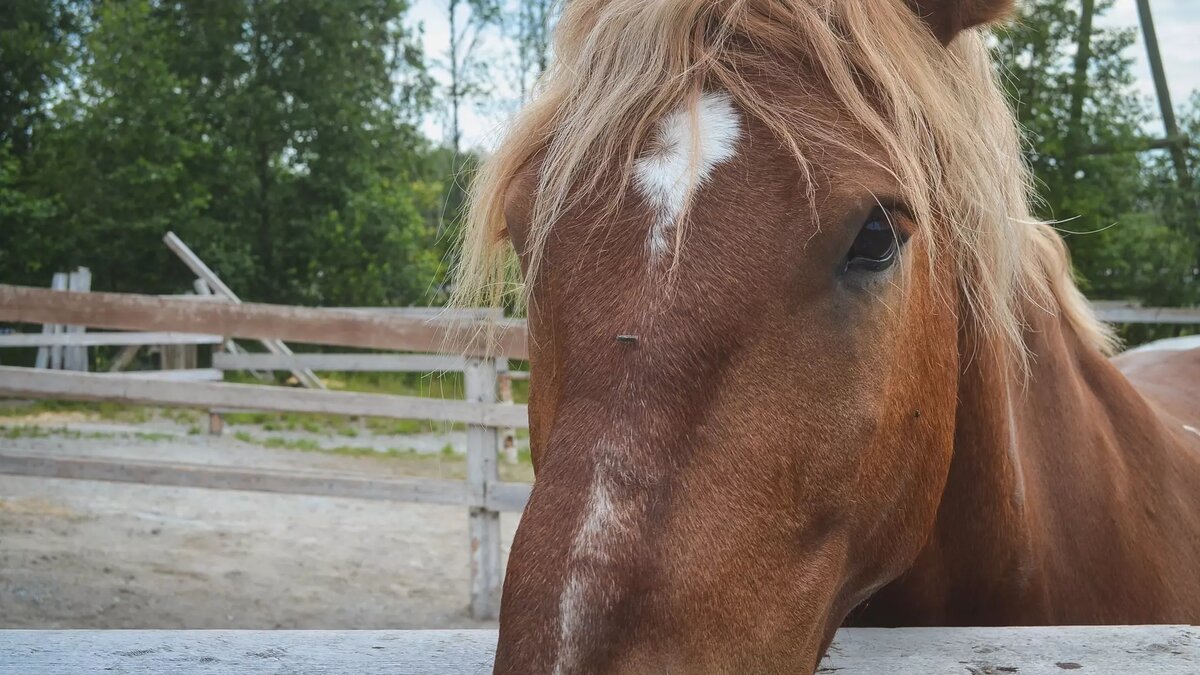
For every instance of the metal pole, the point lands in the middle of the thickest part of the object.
(1160, 87)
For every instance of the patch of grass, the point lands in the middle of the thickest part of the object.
(181, 415)
(154, 436)
(388, 427)
(302, 444)
(25, 431)
(249, 418)
(432, 385)
(309, 445)
(194, 430)
(103, 410)
(35, 431)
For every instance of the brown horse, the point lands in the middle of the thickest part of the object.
(802, 356)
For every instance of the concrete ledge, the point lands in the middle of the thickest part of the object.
(1145, 650)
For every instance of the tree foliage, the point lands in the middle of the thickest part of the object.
(258, 130)
(1121, 217)
(279, 138)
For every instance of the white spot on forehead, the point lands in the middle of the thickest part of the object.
(690, 144)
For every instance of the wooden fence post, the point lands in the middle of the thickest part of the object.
(51, 357)
(508, 436)
(76, 358)
(479, 378)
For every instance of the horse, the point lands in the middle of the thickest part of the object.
(801, 355)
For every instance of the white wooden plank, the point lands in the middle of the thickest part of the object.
(124, 358)
(35, 383)
(1174, 315)
(203, 290)
(124, 311)
(479, 379)
(58, 283)
(508, 435)
(76, 357)
(502, 496)
(1144, 650)
(322, 484)
(106, 339)
(397, 363)
(43, 354)
(194, 263)
(432, 313)
(1105, 650)
(184, 375)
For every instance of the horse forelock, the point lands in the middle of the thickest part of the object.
(625, 69)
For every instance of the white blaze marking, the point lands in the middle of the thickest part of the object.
(581, 600)
(691, 143)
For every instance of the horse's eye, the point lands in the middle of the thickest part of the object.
(876, 247)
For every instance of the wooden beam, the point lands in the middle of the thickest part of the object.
(76, 357)
(1146, 18)
(1145, 650)
(181, 375)
(380, 363)
(1175, 315)
(105, 339)
(29, 382)
(437, 313)
(51, 357)
(123, 311)
(207, 476)
(419, 490)
(504, 496)
(214, 283)
(484, 523)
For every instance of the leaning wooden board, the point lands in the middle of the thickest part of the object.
(1141, 650)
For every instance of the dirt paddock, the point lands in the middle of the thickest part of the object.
(86, 554)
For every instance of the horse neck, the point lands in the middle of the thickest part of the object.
(1054, 492)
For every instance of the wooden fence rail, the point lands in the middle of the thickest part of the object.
(410, 363)
(69, 386)
(1130, 314)
(509, 497)
(374, 330)
(106, 339)
(1105, 650)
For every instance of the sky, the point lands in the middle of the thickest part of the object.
(1177, 23)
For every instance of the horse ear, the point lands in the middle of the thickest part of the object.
(948, 18)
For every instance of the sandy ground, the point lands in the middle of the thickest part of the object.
(85, 554)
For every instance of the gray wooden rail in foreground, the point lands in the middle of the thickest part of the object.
(1132, 650)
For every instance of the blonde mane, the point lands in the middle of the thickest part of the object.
(949, 135)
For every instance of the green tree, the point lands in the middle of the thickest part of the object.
(257, 130)
(35, 56)
(1092, 179)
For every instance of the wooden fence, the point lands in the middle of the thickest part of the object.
(474, 345)
(1108, 650)
(481, 493)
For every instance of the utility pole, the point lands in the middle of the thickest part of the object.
(1175, 141)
